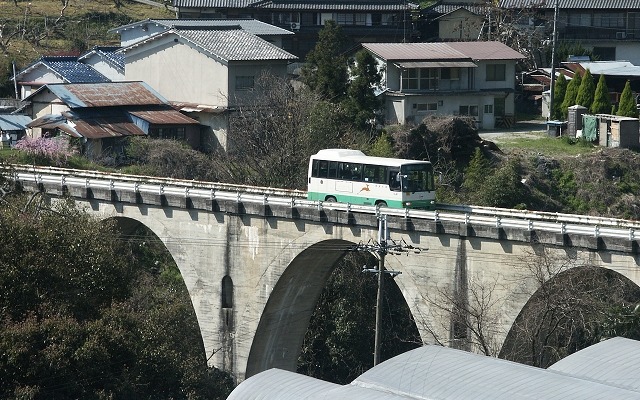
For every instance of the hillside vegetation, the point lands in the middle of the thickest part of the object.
(30, 29)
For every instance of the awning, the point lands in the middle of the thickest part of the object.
(436, 64)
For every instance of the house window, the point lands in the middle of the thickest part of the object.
(496, 72)
(452, 74)
(244, 82)
(361, 19)
(609, 20)
(174, 132)
(344, 19)
(579, 19)
(427, 107)
(469, 110)
(488, 108)
(420, 79)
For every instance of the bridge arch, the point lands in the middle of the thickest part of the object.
(560, 313)
(286, 316)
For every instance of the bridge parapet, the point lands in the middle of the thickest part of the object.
(567, 230)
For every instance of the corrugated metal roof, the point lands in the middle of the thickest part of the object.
(436, 64)
(105, 127)
(486, 50)
(105, 94)
(164, 117)
(437, 373)
(233, 44)
(612, 68)
(631, 5)
(414, 51)
(443, 51)
(13, 122)
(615, 362)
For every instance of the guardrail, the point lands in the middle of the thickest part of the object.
(485, 216)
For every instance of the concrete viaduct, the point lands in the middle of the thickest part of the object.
(256, 260)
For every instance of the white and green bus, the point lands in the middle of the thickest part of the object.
(349, 176)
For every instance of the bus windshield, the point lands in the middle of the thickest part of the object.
(417, 178)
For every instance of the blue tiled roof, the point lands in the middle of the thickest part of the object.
(71, 70)
(109, 53)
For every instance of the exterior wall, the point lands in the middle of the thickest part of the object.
(213, 130)
(460, 25)
(510, 75)
(133, 35)
(186, 75)
(104, 68)
(40, 75)
(252, 69)
(45, 103)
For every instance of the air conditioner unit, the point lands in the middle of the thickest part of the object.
(621, 35)
(295, 26)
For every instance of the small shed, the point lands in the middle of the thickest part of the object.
(12, 128)
(616, 131)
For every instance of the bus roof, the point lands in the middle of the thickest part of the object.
(356, 156)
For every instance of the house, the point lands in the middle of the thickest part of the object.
(102, 115)
(205, 71)
(454, 78)
(610, 29)
(456, 20)
(55, 69)
(361, 20)
(141, 30)
(12, 128)
(107, 60)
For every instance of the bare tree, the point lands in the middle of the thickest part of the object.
(569, 301)
(273, 132)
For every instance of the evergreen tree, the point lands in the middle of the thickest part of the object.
(627, 106)
(361, 103)
(559, 91)
(601, 100)
(325, 70)
(475, 175)
(571, 94)
(586, 90)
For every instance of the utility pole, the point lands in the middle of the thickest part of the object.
(553, 61)
(380, 249)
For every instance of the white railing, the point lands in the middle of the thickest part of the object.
(485, 216)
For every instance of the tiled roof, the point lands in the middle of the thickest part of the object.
(104, 94)
(446, 8)
(336, 5)
(232, 44)
(109, 53)
(250, 25)
(68, 68)
(574, 4)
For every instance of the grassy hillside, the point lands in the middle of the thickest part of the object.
(30, 29)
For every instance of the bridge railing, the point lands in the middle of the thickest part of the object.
(485, 216)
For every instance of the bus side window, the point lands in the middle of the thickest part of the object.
(333, 169)
(314, 169)
(356, 172)
(343, 171)
(323, 169)
(370, 173)
(394, 180)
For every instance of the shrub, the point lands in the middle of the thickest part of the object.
(45, 151)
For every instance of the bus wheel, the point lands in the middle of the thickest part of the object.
(381, 204)
(330, 199)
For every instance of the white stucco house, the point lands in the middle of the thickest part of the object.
(205, 71)
(455, 78)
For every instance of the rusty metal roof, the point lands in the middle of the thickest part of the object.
(112, 126)
(164, 117)
(105, 94)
